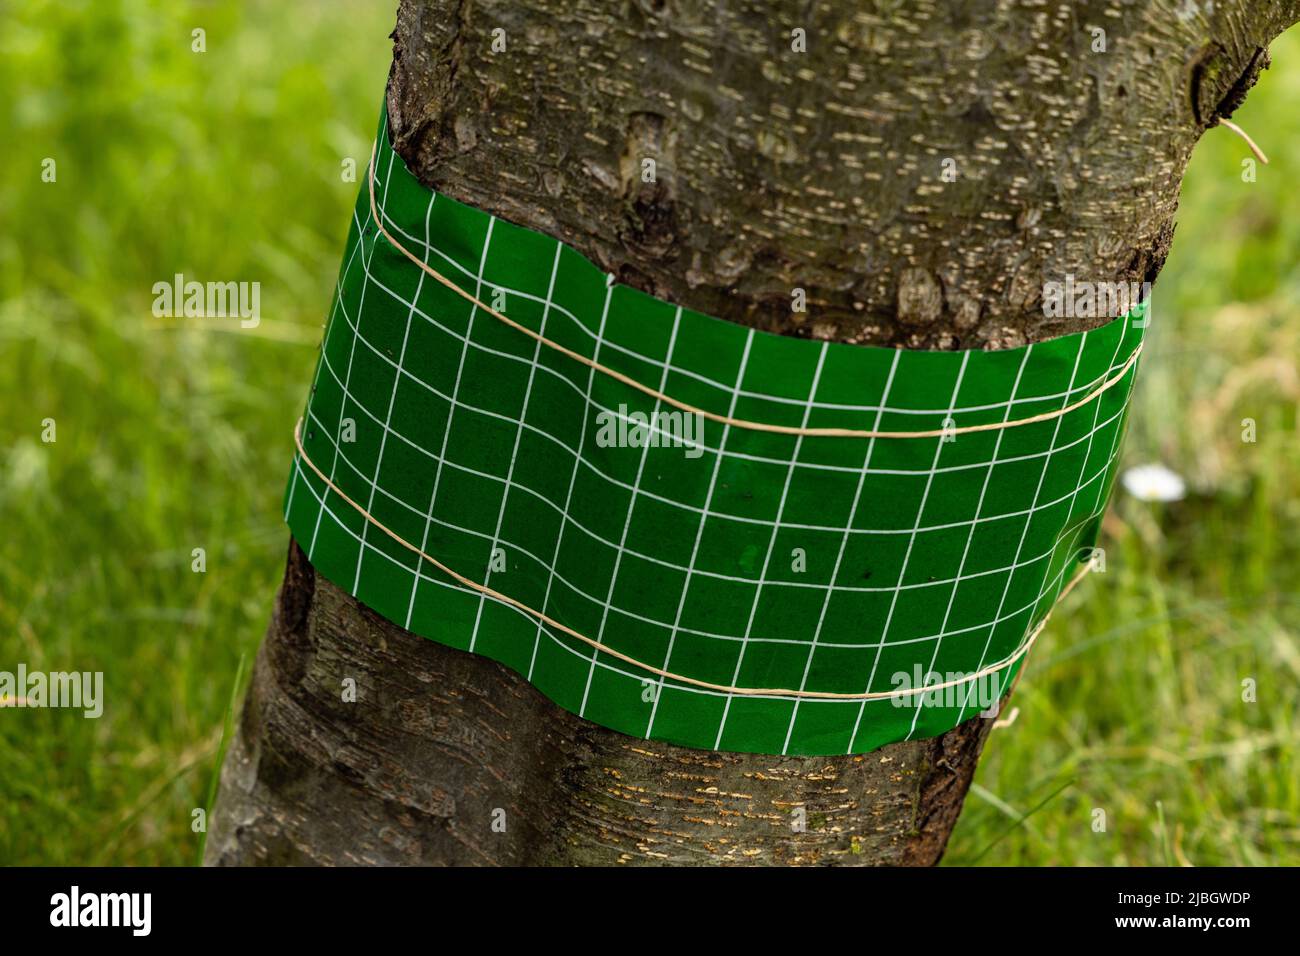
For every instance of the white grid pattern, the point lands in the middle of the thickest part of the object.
(352, 351)
(620, 549)
(722, 387)
(514, 453)
(441, 459)
(446, 428)
(568, 496)
(704, 512)
(970, 533)
(907, 556)
(771, 546)
(699, 535)
(1020, 546)
(300, 476)
(454, 402)
(817, 466)
(839, 557)
(450, 525)
(725, 516)
(392, 399)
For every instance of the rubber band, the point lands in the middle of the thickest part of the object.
(1020, 652)
(714, 416)
(823, 596)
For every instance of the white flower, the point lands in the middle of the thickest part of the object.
(1154, 483)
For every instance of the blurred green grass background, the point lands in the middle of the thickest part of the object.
(226, 165)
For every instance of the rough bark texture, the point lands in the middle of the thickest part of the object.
(776, 170)
(439, 741)
(823, 170)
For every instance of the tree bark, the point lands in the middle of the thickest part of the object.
(775, 169)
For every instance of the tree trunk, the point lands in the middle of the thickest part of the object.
(921, 169)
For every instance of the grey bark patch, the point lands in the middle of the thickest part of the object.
(412, 773)
(920, 297)
(801, 164)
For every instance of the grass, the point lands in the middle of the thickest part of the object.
(167, 161)
(1132, 720)
(226, 164)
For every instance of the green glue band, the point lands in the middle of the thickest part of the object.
(678, 527)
